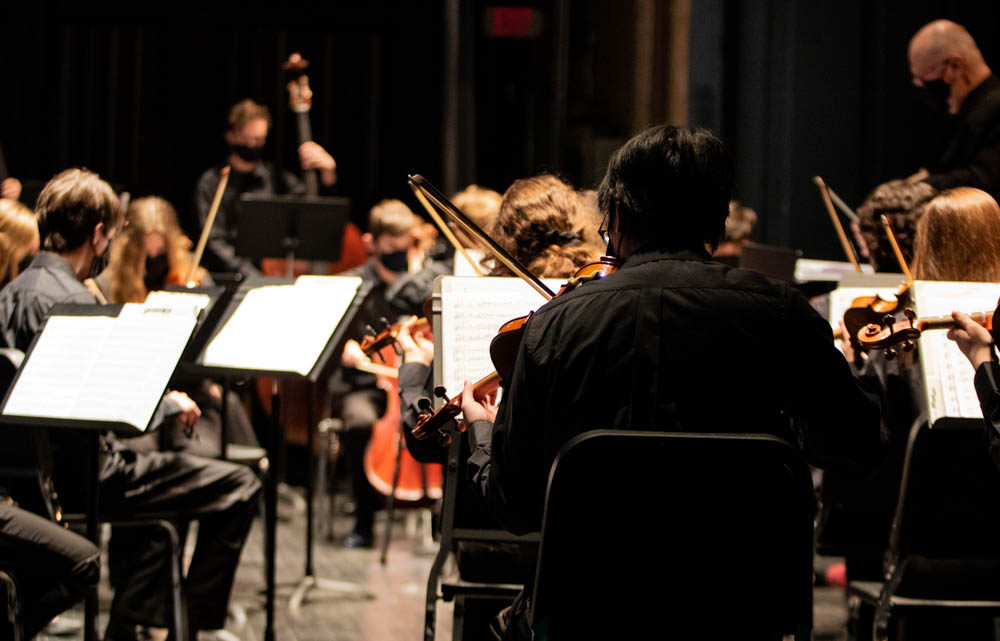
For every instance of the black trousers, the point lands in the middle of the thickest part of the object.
(359, 410)
(53, 567)
(222, 497)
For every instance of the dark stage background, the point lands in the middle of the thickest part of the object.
(139, 93)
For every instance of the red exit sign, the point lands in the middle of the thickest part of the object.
(513, 22)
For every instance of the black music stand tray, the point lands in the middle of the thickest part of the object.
(94, 427)
(334, 342)
(293, 227)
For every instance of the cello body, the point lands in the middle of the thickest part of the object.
(418, 482)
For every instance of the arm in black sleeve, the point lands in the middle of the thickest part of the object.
(415, 383)
(982, 171)
(220, 240)
(509, 463)
(839, 417)
(987, 383)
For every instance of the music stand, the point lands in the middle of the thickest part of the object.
(249, 364)
(303, 227)
(97, 407)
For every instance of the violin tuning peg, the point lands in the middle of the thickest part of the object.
(890, 354)
(425, 404)
(441, 393)
(383, 324)
(370, 331)
(887, 321)
(908, 346)
(910, 314)
(444, 438)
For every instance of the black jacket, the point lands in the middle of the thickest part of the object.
(972, 155)
(671, 341)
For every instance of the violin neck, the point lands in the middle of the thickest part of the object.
(946, 322)
(305, 135)
(485, 386)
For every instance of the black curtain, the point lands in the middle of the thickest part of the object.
(139, 92)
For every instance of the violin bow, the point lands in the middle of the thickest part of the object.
(209, 221)
(421, 187)
(848, 249)
(895, 249)
(447, 231)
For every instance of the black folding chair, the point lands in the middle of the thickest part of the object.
(942, 556)
(675, 535)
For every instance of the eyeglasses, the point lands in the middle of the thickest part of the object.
(602, 231)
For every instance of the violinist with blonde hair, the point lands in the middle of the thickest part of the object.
(19, 241)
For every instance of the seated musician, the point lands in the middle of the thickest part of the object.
(78, 216)
(150, 253)
(545, 224)
(357, 398)
(902, 202)
(679, 326)
(956, 238)
(19, 242)
(246, 135)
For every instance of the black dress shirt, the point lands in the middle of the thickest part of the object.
(220, 253)
(672, 342)
(972, 156)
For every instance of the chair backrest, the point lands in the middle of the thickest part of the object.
(656, 531)
(949, 514)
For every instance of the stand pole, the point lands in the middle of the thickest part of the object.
(271, 509)
(310, 581)
(93, 505)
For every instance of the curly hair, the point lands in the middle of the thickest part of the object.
(958, 237)
(903, 202)
(541, 223)
(18, 232)
(149, 215)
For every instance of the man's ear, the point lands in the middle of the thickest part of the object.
(369, 242)
(98, 232)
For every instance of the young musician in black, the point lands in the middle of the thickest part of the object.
(671, 341)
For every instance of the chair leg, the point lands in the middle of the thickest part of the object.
(391, 507)
(13, 605)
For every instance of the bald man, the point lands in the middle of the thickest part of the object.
(947, 65)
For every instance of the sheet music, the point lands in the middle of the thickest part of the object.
(948, 376)
(177, 299)
(464, 267)
(473, 309)
(102, 368)
(810, 269)
(283, 327)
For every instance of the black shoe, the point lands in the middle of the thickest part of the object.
(356, 540)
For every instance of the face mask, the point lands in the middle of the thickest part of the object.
(934, 94)
(99, 263)
(25, 262)
(395, 262)
(157, 268)
(247, 153)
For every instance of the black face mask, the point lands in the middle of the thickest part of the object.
(395, 262)
(247, 153)
(25, 262)
(99, 263)
(934, 95)
(157, 268)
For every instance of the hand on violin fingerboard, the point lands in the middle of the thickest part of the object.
(481, 410)
(313, 156)
(972, 339)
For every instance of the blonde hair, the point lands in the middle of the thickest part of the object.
(958, 237)
(18, 231)
(479, 204)
(246, 111)
(149, 215)
(391, 217)
(542, 223)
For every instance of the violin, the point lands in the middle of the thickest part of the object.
(374, 341)
(889, 333)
